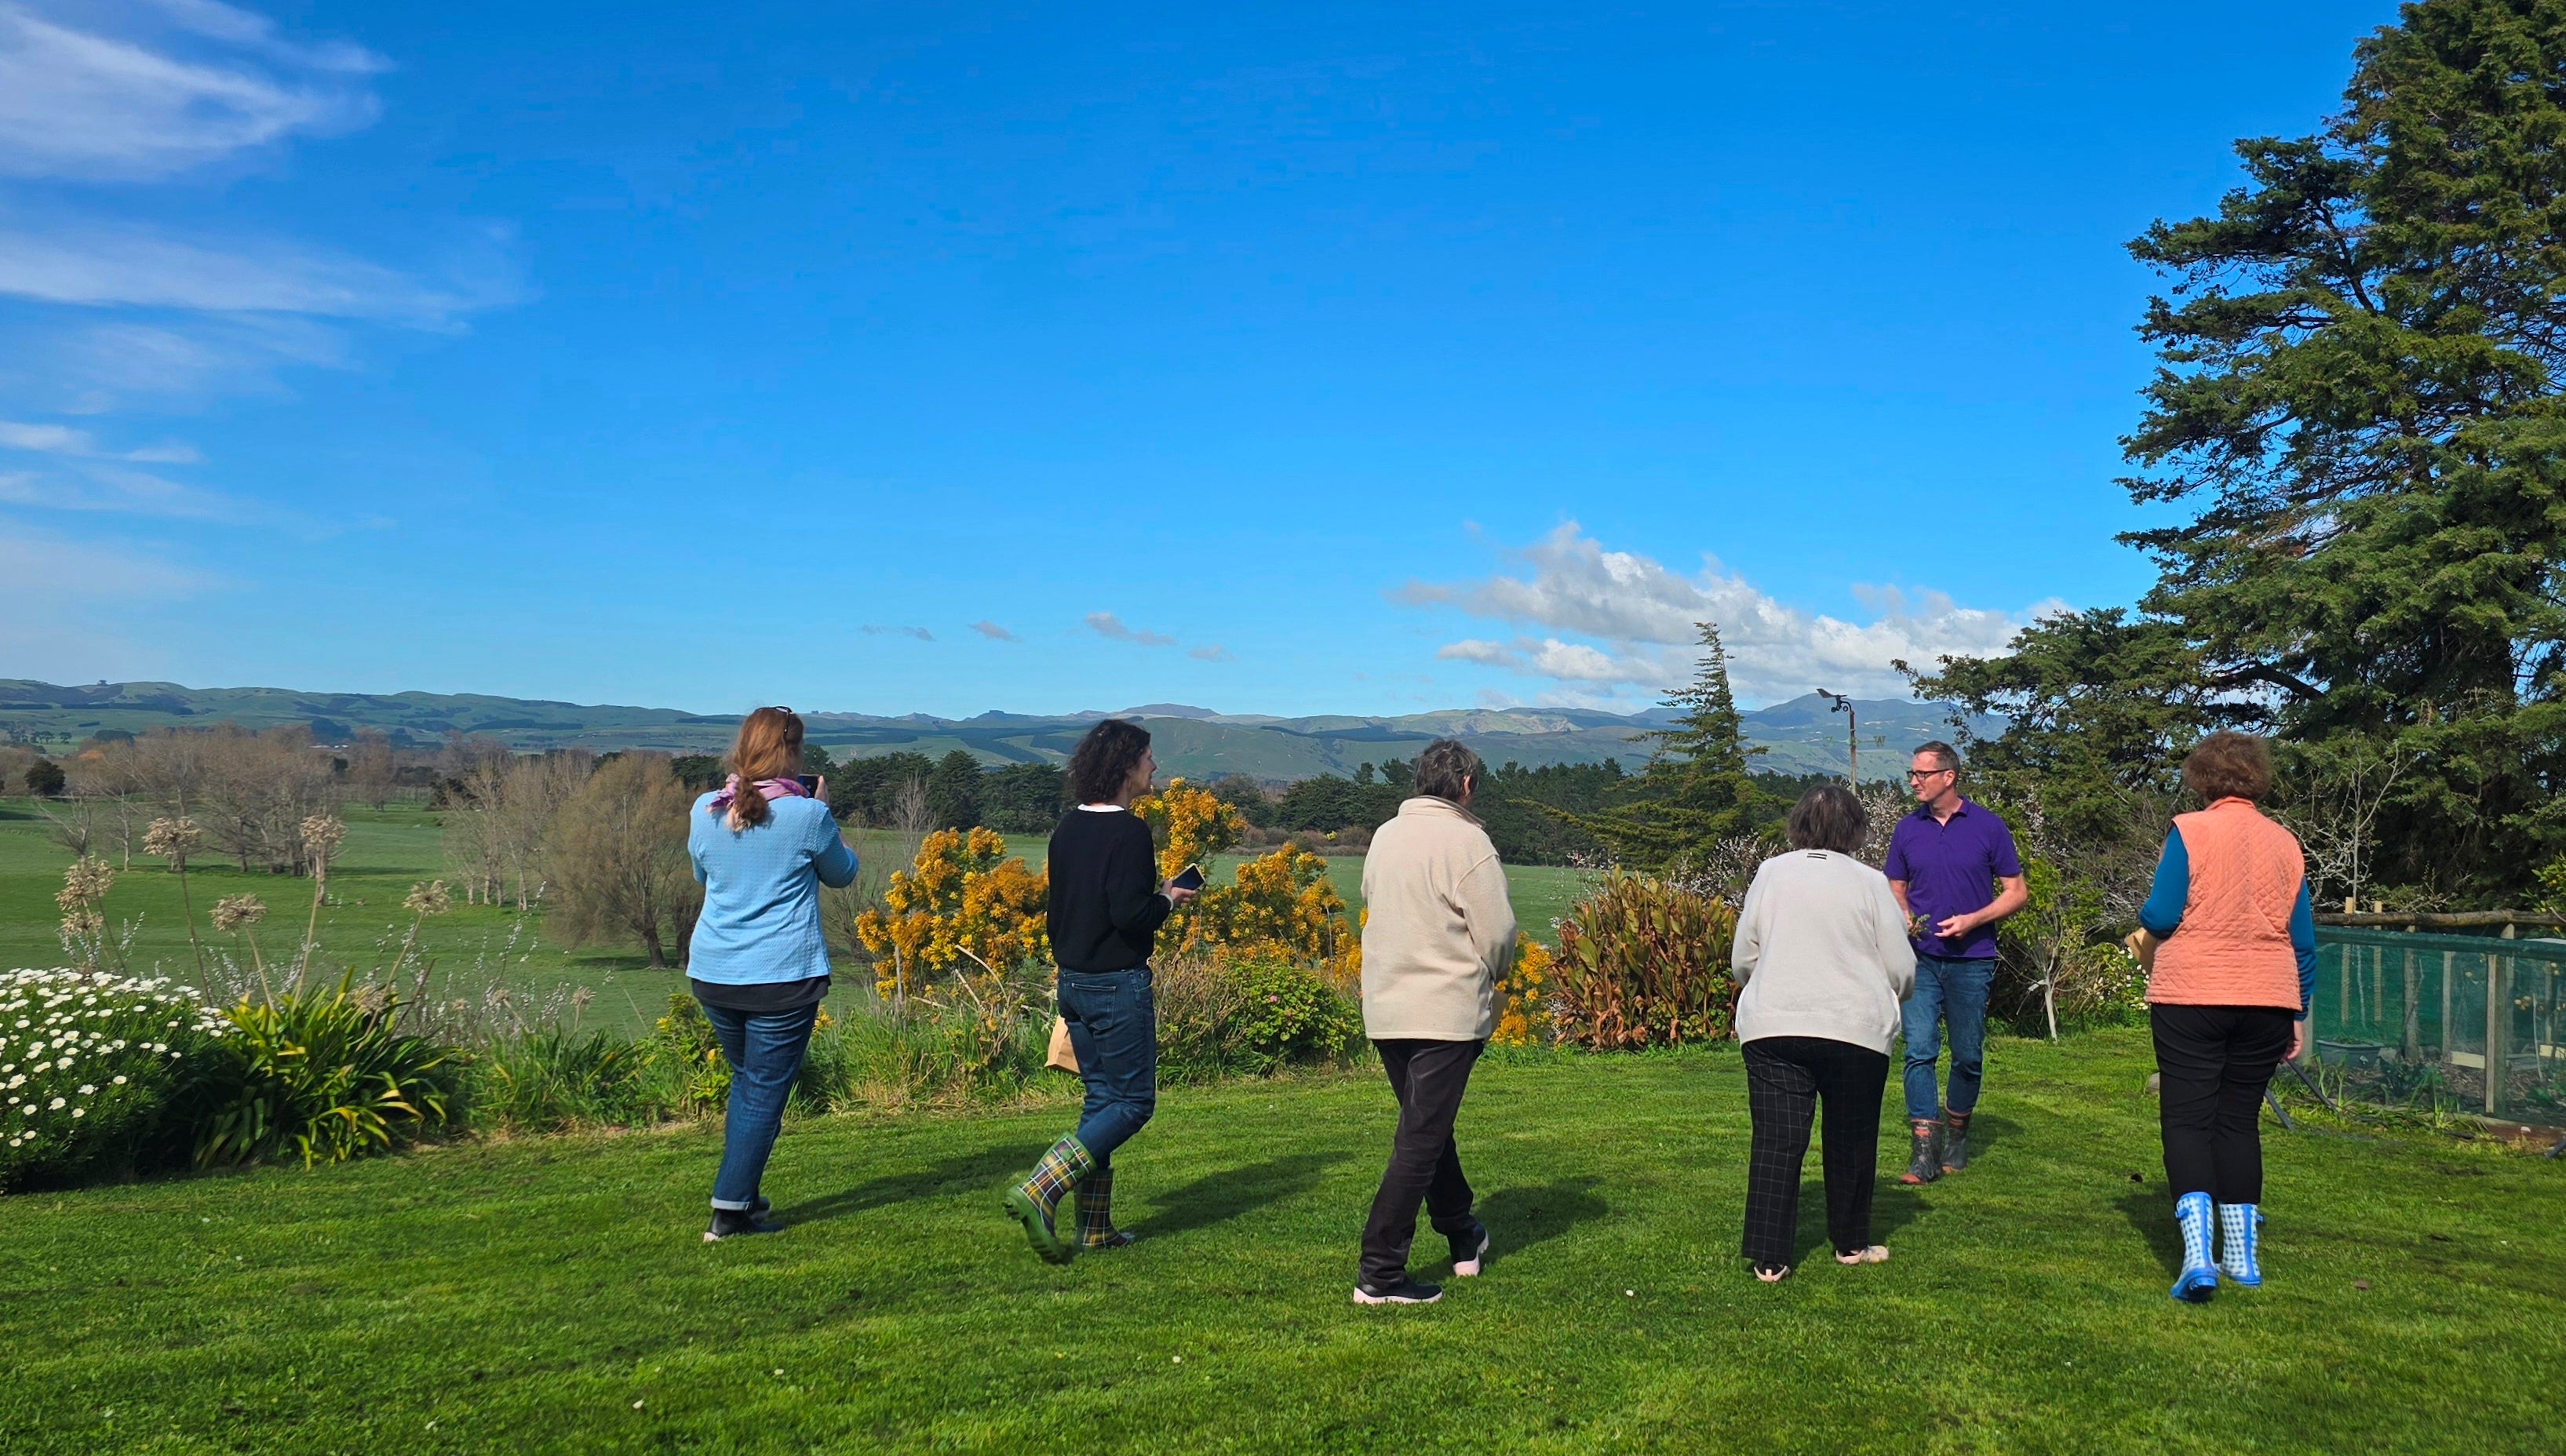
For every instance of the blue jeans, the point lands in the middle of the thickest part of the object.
(1113, 1021)
(1953, 992)
(765, 1054)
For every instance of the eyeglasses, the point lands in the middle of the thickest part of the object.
(1919, 775)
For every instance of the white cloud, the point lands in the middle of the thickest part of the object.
(1212, 652)
(57, 598)
(135, 493)
(923, 634)
(991, 629)
(1106, 624)
(101, 92)
(94, 268)
(1637, 618)
(56, 439)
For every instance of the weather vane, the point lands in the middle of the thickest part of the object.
(1853, 741)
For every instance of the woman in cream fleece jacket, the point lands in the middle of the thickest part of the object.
(1822, 962)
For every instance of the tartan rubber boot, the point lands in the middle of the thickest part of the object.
(2199, 1278)
(2239, 1237)
(1926, 1164)
(1955, 1142)
(1035, 1202)
(1095, 1228)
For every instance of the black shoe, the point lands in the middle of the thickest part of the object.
(731, 1223)
(1405, 1291)
(1469, 1249)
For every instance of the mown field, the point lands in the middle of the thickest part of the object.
(551, 1294)
(472, 947)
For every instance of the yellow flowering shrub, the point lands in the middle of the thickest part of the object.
(1190, 825)
(1524, 995)
(1281, 907)
(963, 894)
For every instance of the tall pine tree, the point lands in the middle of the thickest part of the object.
(1695, 790)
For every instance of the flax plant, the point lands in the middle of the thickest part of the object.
(84, 928)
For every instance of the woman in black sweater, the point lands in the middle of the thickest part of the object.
(1106, 906)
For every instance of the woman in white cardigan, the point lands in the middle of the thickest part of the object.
(1822, 962)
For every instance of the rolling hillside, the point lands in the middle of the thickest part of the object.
(1799, 736)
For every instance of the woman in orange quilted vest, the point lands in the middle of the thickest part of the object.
(2229, 941)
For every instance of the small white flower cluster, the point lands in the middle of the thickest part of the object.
(72, 1041)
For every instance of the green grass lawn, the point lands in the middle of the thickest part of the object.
(551, 1294)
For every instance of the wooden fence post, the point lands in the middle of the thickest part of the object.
(2498, 1018)
(2413, 1039)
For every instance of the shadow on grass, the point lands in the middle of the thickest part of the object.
(1225, 1195)
(986, 1170)
(1519, 1218)
(1894, 1205)
(2152, 1214)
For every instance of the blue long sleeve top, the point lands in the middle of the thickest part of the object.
(2171, 891)
(761, 919)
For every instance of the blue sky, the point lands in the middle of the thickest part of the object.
(1291, 359)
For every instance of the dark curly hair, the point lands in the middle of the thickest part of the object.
(2228, 765)
(1102, 760)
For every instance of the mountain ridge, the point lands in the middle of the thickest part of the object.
(1800, 736)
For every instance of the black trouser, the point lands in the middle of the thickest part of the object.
(1786, 1077)
(1425, 1167)
(2212, 1063)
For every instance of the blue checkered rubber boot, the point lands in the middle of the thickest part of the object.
(2199, 1278)
(2240, 1234)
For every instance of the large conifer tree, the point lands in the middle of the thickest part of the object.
(1696, 789)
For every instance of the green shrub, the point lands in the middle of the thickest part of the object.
(96, 1071)
(548, 1079)
(685, 1041)
(1645, 963)
(1219, 1017)
(325, 1075)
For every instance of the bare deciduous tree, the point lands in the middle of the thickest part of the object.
(911, 810)
(618, 852)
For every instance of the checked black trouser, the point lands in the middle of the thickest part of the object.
(1428, 1079)
(1786, 1079)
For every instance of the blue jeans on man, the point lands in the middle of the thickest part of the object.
(1952, 993)
(764, 1049)
(1113, 1019)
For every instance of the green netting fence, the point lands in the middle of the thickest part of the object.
(2452, 1020)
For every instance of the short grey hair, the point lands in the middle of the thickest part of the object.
(1944, 755)
(1443, 766)
(1829, 817)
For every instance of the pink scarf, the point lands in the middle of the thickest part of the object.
(769, 788)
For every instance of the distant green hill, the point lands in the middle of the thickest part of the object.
(1800, 736)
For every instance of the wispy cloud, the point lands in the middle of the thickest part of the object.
(991, 629)
(88, 265)
(55, 593)
(1212, 652)
(1601, 622)
(57, 439)
(122, 491)
(92, 92)
(1106, 624)
(871, 629)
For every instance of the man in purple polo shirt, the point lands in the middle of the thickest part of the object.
(1952, 867)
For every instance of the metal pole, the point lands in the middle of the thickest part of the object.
(2414, 1013)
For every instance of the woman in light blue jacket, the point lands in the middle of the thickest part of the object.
(758, 963)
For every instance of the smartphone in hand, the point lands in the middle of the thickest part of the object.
(1191, 877)
(810, 783)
